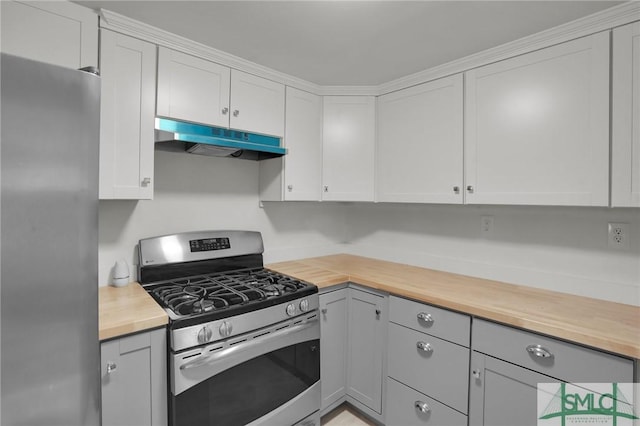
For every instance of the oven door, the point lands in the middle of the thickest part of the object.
(270, 376)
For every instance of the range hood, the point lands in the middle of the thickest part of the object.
(182, 136)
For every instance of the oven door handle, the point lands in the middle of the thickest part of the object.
(272, 341)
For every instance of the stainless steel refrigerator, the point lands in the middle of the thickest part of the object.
(49, 245)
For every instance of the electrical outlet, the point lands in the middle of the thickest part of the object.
(486, 225)
(618, 235)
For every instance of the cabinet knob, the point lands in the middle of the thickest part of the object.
(236, 112)
(290, 188)
(326, 188)
(225, 110)
(470, 189)
(378, 312)
(423, 316)
(111, 367)
(456, 189)
(539, 351)
(476, 374)
(323, 310)
(426, 347)
(422, 406)
(146, 181)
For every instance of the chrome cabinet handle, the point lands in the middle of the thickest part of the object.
(422, 406)
(111, 367)
(225, 110)
(326, 188)
(378, 312)
(423, 316)
(236, 112)
(476, 374)
(146, 181)
(456, 189)
(324, 310)
(289, 188)
(426, 347)
(470, 189)
(539, 351)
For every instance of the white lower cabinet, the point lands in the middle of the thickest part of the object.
(333, 346)
(134, 380)
(353, 342)
(427, 365)
(508, 363)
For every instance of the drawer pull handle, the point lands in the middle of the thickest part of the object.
(422, 406)
(539, 351)
(424, 346)
(425, 317)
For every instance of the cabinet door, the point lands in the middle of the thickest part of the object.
(366, 348)
(348, 147)
(134, 380)
(57, 32)
(297, 175)
(625, 172)
(419, 153)
(257, 104)
(503, 394)
(537, 127)
(192, 89)
(333, 346)
(128, 70)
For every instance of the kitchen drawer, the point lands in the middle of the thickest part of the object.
(440, 322)
(402, 410)
(567, 361)
(442, 372)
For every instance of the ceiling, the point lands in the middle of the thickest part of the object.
(352, 42)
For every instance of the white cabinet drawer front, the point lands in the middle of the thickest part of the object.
(550, 356)
(440, 370)
(438, 322)
(402, 409)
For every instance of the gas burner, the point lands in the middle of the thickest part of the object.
(203, 305)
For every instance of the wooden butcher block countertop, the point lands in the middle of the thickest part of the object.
(128, 309)
(610, 326)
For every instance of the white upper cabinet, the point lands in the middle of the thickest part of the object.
(297, 175)
(419, 158)
(537, 127)
(625, 170)
(192, 89)
(128, 70)
(257, 104)
(56, 32)
(348, 148)
(200, 91)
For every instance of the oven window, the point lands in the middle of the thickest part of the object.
(250, 390)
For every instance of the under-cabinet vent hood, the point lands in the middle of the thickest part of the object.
(181, 136)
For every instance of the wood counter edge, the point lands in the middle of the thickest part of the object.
(606, 343)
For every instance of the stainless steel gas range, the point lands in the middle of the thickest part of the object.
(244, 342)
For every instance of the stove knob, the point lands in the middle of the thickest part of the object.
(225, 329)
(291, 309)
(205, 334)
(304, 305)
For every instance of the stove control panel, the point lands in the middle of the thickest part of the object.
(209, 244)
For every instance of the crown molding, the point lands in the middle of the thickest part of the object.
(591, 24)
(122, 24)
(597, 22)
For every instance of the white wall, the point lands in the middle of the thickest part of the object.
(195, 193)
(557, 248)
